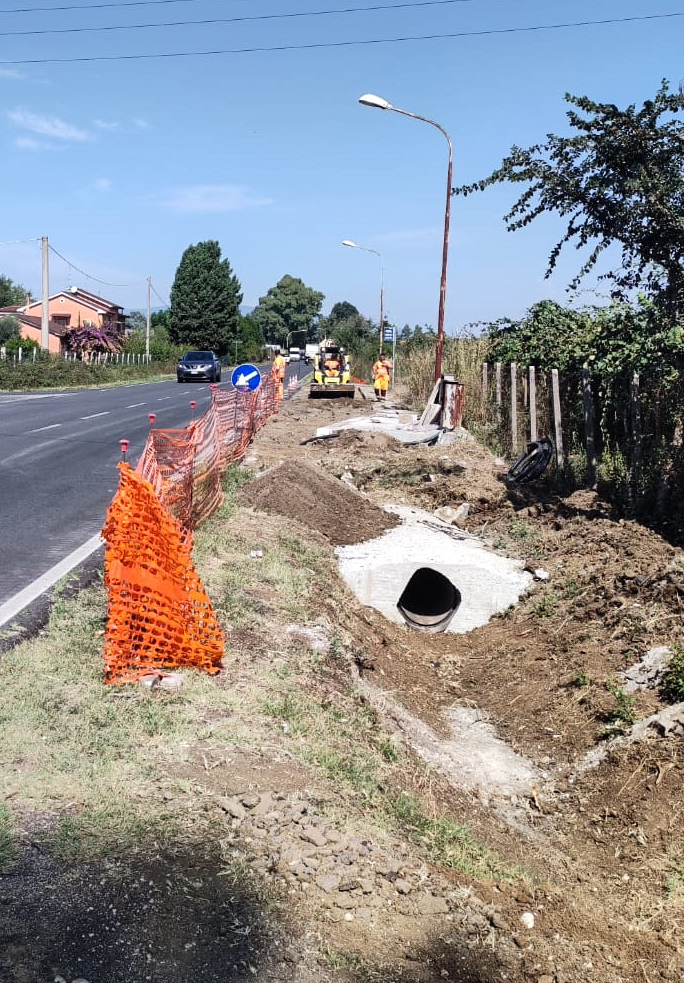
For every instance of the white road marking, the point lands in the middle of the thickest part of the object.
(10, 609)
(160, 398)
(132, 406)
(93, 415)
(51, 427)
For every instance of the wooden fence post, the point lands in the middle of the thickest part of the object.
(533, 403)
(485, 381)
(498, 394)
(589, 426)
(514, 408)
(557, 423)
(638, 458)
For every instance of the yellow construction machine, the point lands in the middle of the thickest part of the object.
(331, 372)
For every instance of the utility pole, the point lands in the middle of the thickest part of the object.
(45, 318)
(147, 327)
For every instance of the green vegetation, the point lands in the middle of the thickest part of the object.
(618, 179)
(56, 372)
(623, 714)
(289, 308)
(449, 843)
(673, 679)
(205, 300)
(8, 847)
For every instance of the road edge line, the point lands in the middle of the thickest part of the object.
(15, 605)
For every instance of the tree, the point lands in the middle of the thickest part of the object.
(341, 311)
(251, 339)
(11, 294)
(88, 338)
(9, 328)
(618, 179)
(136, 321)
(288, 307)
(205, 300)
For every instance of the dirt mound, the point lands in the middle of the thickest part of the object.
(325, 504)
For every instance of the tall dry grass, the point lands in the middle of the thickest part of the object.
(463, 358)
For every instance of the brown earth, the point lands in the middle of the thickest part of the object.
(598, 843)
(607, 841)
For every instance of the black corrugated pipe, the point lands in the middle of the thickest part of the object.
(429, 601)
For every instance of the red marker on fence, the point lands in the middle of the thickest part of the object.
(153, 417)
(124, 448)
(193, 404)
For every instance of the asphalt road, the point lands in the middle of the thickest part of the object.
(58, 457)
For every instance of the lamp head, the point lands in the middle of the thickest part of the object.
(377, 101)
(348, 242)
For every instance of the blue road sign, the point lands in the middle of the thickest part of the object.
(246, 377)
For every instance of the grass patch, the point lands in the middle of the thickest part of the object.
(8, 845)
(621, 716)
(448, 842)
(672, 686)
(110, 831)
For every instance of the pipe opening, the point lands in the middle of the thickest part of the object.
(429, 600)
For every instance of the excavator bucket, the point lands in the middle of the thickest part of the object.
(331, 391)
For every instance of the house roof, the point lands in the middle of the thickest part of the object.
(95, 303)
(33, 322)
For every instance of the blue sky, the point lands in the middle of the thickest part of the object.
(124, 162)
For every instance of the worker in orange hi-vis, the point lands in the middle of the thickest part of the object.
(279, 370)
(332, 364)
(381, 377)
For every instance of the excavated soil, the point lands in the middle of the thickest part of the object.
(296, 491)
(598, 836)
(605, 823)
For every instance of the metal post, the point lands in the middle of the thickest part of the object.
(379, 103)
(45, 319)
(149, 318)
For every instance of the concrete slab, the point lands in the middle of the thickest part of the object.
(378, 570)
(400, 425)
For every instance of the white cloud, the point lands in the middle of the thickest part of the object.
(142, 124)
(212, 198)
(102, 124)
(48, 126)
(28, 143)
(102, 184)
(10, 73)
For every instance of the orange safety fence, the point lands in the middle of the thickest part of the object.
(159, 616)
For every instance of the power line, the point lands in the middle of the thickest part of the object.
(132, 3)
(100, 6)
(90, 277)
(166, 303)
(234, 20)
(344, 44)
(14, 242)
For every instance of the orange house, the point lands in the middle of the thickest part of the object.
(78, 308)
(32, 327)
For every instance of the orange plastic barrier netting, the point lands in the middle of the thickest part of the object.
(184, 466)
(159, 616)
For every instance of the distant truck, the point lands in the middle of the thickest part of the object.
(310, 351)
(295, 354)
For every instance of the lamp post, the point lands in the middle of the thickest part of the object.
(355, 245)
(377, 102)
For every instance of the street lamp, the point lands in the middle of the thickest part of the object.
(367, 249)
(377, 102)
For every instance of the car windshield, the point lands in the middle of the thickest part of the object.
(199, 356)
